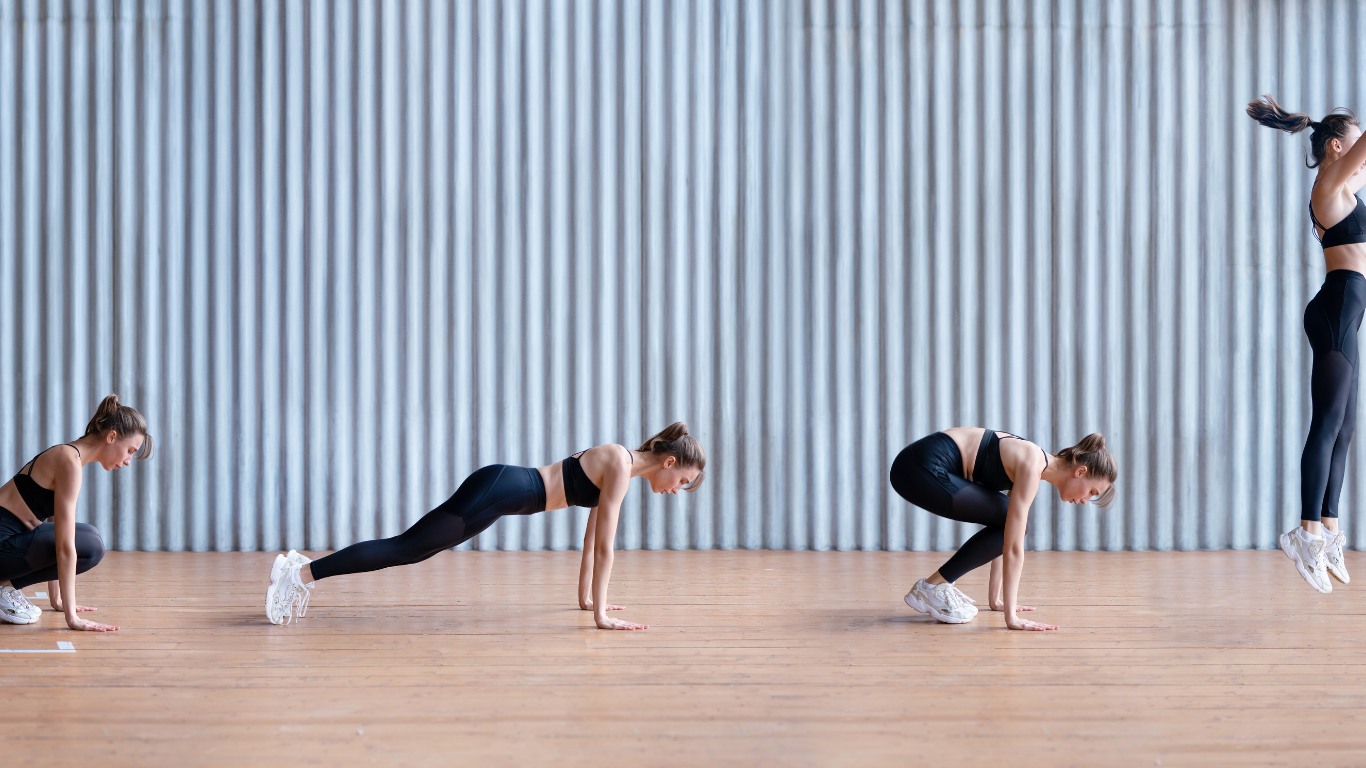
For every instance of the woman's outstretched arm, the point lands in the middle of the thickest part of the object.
(586, 566)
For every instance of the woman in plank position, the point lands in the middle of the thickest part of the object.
(597, 478)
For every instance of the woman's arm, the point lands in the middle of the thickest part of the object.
(586, 566)
(1017, 516)
(615, 483)
(54, 596)
(586, 563)
(995, 598)
(68, 489)
(1339, 174)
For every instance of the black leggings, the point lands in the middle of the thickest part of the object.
(485, 496)
(929, 474)
(1331, 322)
(30, 557)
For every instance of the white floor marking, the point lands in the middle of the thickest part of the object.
(62, 647)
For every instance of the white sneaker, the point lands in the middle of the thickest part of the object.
(16, 609)
(1308, 557)
(1332, 555)
(286, 592)
(942, 601)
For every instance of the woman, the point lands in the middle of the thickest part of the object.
(597, 478)
(960, 474)
(1331, 321)
(46, 489)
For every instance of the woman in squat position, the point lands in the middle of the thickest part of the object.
(1331, 321)
(961, 474)
(40, 539)
(597, 478)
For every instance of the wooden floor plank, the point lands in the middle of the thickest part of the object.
(752, 658)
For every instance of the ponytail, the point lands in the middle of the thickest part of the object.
(1270, 113)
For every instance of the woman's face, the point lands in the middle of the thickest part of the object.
(1080, 488)
(671, 478)
(1343, 143)
(118, 452)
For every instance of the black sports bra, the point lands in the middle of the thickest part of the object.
(42, 502)
(1349, 231)
(988, 471)
(579, 491)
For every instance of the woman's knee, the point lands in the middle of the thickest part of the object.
(89, 547)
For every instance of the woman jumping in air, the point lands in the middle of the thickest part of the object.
(1331, 321)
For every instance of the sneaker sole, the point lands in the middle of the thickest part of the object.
(1339, 579)
(276, 571)
(10, 618)
(929, 610)
(1299, 564)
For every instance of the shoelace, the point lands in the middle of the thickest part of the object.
(963, 596)
(1316, 551)
(1333, 548)
(19, 601)
(22, 599)
(301, 602)
(949, 595)
(297, 562)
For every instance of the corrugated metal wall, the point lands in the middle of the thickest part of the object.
(343, 252)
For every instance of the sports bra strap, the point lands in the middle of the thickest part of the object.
(989, 432)
(32, 461)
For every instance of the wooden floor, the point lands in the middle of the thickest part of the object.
(752, 658)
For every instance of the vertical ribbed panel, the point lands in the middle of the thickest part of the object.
(343, 252)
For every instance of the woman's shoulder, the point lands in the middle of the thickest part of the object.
(610, 454)
(59, 462)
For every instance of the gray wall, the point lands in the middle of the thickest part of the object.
(342, 253)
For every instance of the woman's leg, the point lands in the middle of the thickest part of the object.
(1337, 463)
(1331, 321)
(1332, 398)
(925, 474)
(41, 557)
(975, 504)
(452, 523)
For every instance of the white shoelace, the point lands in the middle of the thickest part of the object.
(949, 595)
(1317, 552)
(301, 600)
(963, 596)
(22, 600)
(18, 601)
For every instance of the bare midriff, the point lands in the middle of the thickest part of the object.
(1351, 257)
(553, 477)
(12, 501)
